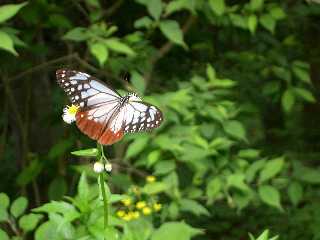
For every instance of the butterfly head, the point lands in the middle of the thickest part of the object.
(133, 97)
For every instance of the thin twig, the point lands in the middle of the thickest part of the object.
(166, 48)
(113, 8)
(41, 66)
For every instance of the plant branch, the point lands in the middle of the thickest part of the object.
(103, 159)
(166, 48)
(113, 8)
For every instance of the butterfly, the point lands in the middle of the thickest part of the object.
(104, 115)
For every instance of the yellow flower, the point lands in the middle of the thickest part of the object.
(69, 113)
(136, 190)
(146, 210)
(157, 207)
(127, 201)
(151, 179)
(140, 204)
(120, 213)
(127, 217)
(135, 214)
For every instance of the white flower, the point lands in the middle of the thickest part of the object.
(69, 113)
(108, 167)
(98, 167)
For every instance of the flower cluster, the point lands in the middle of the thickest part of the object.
(137, 205)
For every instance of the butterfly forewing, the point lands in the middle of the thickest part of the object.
(85, 90)
(104, 115)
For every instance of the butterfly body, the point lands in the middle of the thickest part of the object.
(104, 115)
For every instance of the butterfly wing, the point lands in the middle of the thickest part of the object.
(84, 90)
(139, 116)
(99, 104)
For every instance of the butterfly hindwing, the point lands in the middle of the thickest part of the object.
(141, 116)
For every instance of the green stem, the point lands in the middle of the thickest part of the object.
(105, 199)
(104, 160)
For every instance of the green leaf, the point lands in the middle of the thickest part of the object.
(155, 8)
(271, 169)
(29, 222)
(137, 146)
(19, 206)
(268, 22)
(164, 167)
(4, 201)
(211, 72)
(9, 10)
(6, 43)
(270, 196)
(249, 153)
(287, 100)
(172, 31)
(83, 188)
(176, 231)
(138, 82)
(47, 230)
(29, 173)
(77, 34)
(100, 51)
(235, 129)
(295, 192)
(304, 94)
(237, 181)
(3, 214)
(117, 46)
(256, 4)
(301, 73)
(277, 13)
(3, 235)
(213, 189)
(57, 188)
(193, 207)
(68, 211)
(253, 169)
(308, 175)
(252, 23)
(144, 22)
(90, 152)
(217, 6)
(178, 5)
(154, 188)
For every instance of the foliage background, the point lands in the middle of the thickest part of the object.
(238, 84)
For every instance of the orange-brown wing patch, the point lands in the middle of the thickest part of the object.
(109, 137)
(89, 127)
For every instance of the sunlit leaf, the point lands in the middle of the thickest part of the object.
(18, 206)
(155, 8)
(176, 231)
(100, 51)
(270, 195)
(217, 6)
(288, 100)
(271, 169)
(172, 31)
(117, 46)
(29, 222)
(6, 43)
(9, 10)
(90, 152)
(295, 192)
